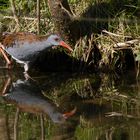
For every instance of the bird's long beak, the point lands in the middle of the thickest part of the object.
(63, 44)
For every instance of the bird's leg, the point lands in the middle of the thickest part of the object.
(5, 56)
(26, 67)
(6, 85)
(26, 75)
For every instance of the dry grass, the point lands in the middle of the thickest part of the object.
(108, 43)
(123, 24)
(83, 48)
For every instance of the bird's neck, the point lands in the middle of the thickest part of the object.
(44, 43)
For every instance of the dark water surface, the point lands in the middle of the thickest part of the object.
(107, 106)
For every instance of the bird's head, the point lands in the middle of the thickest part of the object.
(56, 40)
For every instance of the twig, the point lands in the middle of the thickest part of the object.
(122, 45)
(127, 43)
(116, 35)
(38, 16)
(118, 114)
(14, 11)
(26, 18)
(42, 127)
(69, 12)
(16, 124)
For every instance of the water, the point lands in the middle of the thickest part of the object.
(106, 106)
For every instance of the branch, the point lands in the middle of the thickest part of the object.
(26, 18)
(127, 43)
(118, 114)
(14, 11)
(38, 16)
(69, 13)
(116, 35)
(122, 45)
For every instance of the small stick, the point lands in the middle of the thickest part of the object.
(14, 11)
(127, 43)
(38, 16)
(25, 18)
(113, 34)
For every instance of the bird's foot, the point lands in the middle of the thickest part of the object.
(27, 76)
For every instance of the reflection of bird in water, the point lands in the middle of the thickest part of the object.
(28, 97)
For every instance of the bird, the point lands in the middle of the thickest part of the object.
(24, 47)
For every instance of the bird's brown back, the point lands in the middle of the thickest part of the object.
(9, 39)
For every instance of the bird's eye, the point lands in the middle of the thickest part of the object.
(56, 39)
